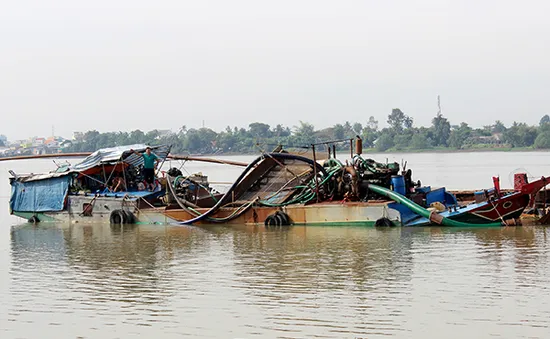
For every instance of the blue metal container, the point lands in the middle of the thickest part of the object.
(398, 184)
(423, 189)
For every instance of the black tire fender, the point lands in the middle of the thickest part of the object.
(285, 220)
(279, 219)
(384, 222)
(117, 217)
(270, 221)
(129, 217)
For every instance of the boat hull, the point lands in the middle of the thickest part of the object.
(506, 208)
(330, 213)
(324, 213)
(91, 209)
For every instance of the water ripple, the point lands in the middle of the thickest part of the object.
(322, 282)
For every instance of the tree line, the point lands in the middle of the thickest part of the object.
(400, 135)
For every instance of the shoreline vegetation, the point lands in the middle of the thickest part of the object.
(401, 136)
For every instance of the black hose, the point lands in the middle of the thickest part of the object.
(227, 195)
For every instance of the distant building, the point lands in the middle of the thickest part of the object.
(38, 150)
(37, 141)
(65, 144)
(494, 139)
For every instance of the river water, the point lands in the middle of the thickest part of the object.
(95, 281)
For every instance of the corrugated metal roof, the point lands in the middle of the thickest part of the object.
(104, 156)
(115, 154)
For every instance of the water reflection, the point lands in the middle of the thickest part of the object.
(304, 278)
(286, 282)
(107, 274)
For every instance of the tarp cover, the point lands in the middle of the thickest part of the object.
(39, 196)
(114, 154)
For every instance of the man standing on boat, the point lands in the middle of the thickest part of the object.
(150, 161)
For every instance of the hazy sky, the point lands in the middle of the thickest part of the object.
(122, 65)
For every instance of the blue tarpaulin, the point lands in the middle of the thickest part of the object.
(39, 196)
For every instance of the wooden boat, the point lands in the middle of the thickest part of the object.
(276, 189)
(84, 192)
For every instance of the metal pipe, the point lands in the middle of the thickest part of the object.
(329, 142)
(216, 161)
(39, 156)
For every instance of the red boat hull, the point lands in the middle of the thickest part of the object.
(507, 207)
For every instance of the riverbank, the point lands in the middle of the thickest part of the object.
(393, 150)
(321, 152)
(454, 150)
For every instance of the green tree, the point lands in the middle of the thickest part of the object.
(399, 120)
(520, 135)
(281, 131)
(151, 136)
(544, 124)
(370, 133)
(408, 123)
(91, 141)
(227, 140)
(259, 130)
(137, 137)
(486, 131)
(420, 141)
(384, 142)
(372, 124)
(441, 130)
(357, 128)
(348, 129)
(338, 131)
(543, 140)
(459, 134)
(499, 127)
(402, 141)
(304, 134)
(545, 120)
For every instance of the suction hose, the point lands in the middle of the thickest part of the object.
(228, 194)
(430, 215)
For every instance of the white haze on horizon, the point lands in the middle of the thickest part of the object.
(124, 65)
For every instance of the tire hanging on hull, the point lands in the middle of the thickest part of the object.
(277, 219)
(119, 217)
(384, 222)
